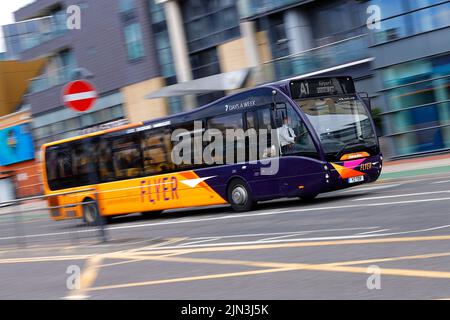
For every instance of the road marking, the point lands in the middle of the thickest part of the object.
(282, 237)
(45, 259)
(186, 279)
(281, 233)
(198, 241)
(375, 231)
(381, 187)
(314, 240)
(165, 243)
(221, 247)
(403, 195)
(441, 182)
(238, 216)
(277, 267)
(378, 260)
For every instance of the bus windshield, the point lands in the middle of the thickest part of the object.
(342, 124)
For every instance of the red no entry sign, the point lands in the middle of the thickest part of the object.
(79, 95)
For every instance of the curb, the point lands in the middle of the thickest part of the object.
(416, 172)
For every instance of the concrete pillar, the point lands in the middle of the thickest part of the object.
(298, 31)
(248, 32)
(178, 43)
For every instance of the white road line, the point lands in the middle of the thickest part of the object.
(441, 182)
(402, 195)
(241, 216)
(281, 233)
(283, 237)
(372, 232)
(199, 241)
(351, 237)
(371, 188)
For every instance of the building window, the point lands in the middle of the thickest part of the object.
(210, 22)
(205, 63)
(399, 19)
(126, 5)
(133, 40)
(418, 96)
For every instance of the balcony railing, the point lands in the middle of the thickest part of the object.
(32, 33)
(250, 8)
(320, 58)
(51, 79)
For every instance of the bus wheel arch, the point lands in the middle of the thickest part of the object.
(240, 195)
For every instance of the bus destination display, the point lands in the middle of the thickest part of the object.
(320, 87)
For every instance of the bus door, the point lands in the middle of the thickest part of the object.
(301, 170)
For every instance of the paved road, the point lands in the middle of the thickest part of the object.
(283, 250)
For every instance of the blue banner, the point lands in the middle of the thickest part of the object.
(16, 145)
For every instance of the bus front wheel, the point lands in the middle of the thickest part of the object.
(240, 196)
(309, 197)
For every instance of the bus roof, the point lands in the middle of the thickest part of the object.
(93, 134)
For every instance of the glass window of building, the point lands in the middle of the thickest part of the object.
(418, 97)
(134, 42)
(210, 22)
(405, 18)
(126, 5)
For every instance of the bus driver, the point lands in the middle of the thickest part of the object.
(286, 137)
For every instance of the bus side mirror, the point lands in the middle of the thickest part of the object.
(366, 99)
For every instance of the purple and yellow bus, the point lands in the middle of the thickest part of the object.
(325, 140)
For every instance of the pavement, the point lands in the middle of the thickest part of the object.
(388, 240)
(417, 166)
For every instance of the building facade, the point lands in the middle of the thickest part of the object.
(412, 69)
(114, 48)
(19, 170)
(185, 53)
(401, 62)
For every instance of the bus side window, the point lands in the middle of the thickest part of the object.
(64, 177)
(265, 128)
(187, 160)
(83, 159)
(105, 161)
(234, 142)
(127, 157)
(251, 141)
(156, 148)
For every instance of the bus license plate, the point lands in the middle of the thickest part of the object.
(356, 179)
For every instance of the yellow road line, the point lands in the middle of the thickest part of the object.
(369, 261)
(186, 279)
(280, 267)
(265, 264)
(310, 267)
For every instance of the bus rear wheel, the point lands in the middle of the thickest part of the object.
(240, 196)
(90, 212)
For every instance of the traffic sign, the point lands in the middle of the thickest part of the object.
(79, 95)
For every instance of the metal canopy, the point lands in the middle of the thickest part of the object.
(219, 82)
